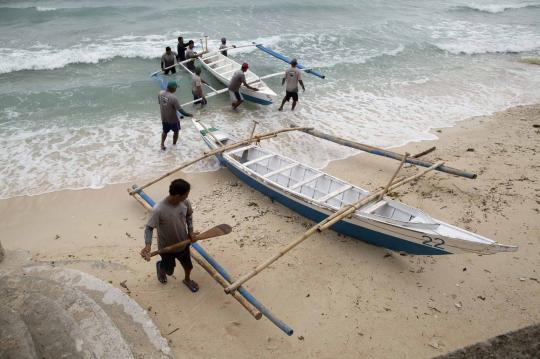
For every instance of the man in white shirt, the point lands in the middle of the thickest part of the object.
(293, 77)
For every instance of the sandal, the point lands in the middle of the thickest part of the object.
(160, 276)
(192, 285)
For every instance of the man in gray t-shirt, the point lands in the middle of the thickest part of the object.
(173, 219)
(293, 77)
(237, 80)
(168, 59)
(191, 54)
(169, 108)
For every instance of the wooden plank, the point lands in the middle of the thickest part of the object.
(312, 178)
(269, 174)
(215, 62)
(335, 193)
(258, 159)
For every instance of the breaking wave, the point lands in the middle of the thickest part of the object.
(496, 8)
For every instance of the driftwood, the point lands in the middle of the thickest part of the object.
(256, 138)
(325, 224)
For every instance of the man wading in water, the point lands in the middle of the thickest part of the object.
(168, 105)
(173, 218)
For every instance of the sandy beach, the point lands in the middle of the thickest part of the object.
(341, 296)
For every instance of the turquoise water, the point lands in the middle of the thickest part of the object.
(78, 109)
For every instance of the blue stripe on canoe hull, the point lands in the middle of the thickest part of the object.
(257, 100)
(364, 234)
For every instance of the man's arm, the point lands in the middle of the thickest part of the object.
(302, 84)
(148, 232)
(179, 108)
(189, 221)
(249, 87)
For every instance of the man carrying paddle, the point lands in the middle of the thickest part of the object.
(237, 80)
(168, 59)
(191, 54)
(293, 77)
(173, 218)
(168, 106)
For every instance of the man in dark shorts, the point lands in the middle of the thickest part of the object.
(168, 59)
(237, 80)
(169, 106)
(173, 218)
(196, 87)
(293, 76)
(181, 49)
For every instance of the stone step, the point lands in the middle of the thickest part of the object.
(138, 330)
(62, 320)
(15, 338)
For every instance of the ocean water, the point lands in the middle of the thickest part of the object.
(78, 108)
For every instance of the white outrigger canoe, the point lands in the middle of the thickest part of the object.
(316, 195)
(223, 68)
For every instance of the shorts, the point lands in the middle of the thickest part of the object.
(172, 70)
(196, 97)
(168, 261)
(174, 127)
(290, 94)
(235, 96)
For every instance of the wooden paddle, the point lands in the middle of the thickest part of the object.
(219, 230)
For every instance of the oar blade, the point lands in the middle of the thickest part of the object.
(219, 230)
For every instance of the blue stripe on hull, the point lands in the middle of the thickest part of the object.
(257, 100)
(361, 233)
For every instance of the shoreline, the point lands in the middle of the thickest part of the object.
(342, 296)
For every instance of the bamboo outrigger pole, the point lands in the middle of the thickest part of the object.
(327, 223)
(386, 153)
(255, 138)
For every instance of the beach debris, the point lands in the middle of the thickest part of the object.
(307, 296)
(523, 279)
(253, 204)
(470, 149)
(464, 269)
(531, 278)
(57, 236)
(174, 330)
(301, 337)
(123, 285)
(458, 305)
(128, 235)
(481, 297)
(2, 254)
(536, 126)
(434, 344)
(388, 255)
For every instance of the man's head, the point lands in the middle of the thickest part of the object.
(171, 86)
(245, 66)
(198, 70)
(180, 39)
(223, 40)
(294, 62)
(168, 50)
(178, 191)
(191, 44)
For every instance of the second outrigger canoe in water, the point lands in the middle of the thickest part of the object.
(223, 68)
(316, 195)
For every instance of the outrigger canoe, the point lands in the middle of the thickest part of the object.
(223, 68)
(316, 195)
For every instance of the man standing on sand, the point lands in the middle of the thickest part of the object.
(168, 106)
(196, 87)
(168, 59)
(293, 77)
(181, 49)
(237, 80)
(173, 218)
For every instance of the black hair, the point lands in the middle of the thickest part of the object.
(167, 48)
(180, 38)
(179, 187)
(191, 42)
